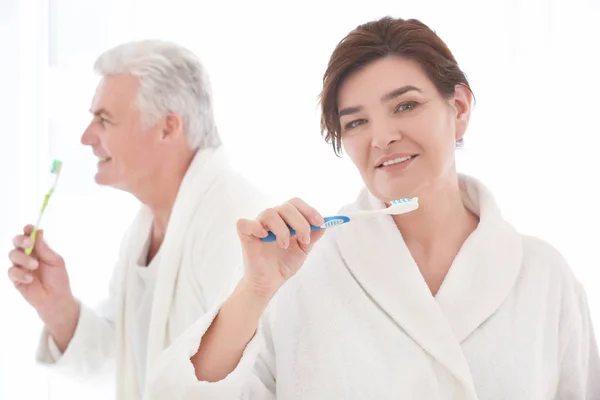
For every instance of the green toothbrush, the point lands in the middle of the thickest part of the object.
(56, 167)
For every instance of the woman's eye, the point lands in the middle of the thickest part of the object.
(409, 105)
(354, 124)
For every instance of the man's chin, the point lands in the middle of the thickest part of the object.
(102, 180)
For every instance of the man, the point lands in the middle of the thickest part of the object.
(154, 134)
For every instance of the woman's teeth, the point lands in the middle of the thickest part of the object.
(396, 160)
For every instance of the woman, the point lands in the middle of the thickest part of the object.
(445, 302)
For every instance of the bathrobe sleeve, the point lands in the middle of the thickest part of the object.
(92, 345)
(580, 367)
(92, 348)
(173, 375)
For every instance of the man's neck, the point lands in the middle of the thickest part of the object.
(161, 192)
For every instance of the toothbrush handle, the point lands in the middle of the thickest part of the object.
(37, 224)
(271, 236)
(33, 236)
(329, 222)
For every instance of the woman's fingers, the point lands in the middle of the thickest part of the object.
(312, 215)
(295, 214)
(249, 228)
(296, 220)
(273, 221)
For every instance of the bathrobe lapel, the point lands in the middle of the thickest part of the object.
(207, 166)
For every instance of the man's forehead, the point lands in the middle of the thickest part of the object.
(99, 92)
(115, 89)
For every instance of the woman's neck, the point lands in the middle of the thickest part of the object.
(441, 219)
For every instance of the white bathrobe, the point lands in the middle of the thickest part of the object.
(510, 322)
(199, 258)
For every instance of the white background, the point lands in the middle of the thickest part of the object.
(534, 136)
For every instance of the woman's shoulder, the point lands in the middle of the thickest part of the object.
(539, 253)
(544, 265)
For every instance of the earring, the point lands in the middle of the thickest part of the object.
(460, 143)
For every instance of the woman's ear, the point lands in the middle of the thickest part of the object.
(462, 103)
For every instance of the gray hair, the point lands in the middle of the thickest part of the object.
(172, 79)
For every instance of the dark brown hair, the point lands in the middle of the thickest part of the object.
(409, 39)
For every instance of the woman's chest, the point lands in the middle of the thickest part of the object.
(344, 345)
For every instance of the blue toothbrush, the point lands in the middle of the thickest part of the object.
(396, 208)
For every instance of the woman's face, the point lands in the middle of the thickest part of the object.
(398, 130)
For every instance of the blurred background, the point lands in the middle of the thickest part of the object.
(534, 137)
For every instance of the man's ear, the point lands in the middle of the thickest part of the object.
(172, 126)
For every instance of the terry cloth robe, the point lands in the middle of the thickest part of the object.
(358, 322)
(200, 257)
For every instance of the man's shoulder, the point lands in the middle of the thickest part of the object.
(238, 194)
(230, 198)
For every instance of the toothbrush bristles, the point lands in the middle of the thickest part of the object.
(56, 166)
(406, 200)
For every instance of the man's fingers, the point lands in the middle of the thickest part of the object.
(19, 275)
